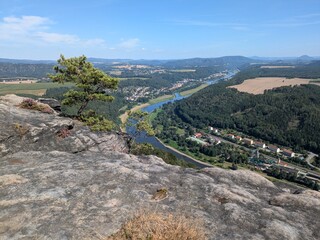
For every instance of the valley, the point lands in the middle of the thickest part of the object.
(149, 88)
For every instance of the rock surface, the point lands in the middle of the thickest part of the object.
(85, 186)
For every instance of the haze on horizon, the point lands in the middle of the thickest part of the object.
(167, 29)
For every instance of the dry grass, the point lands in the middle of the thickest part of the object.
(31, 104)
(157, 226)
(259, 85)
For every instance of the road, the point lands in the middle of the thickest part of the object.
(302, 169)
(309, 158)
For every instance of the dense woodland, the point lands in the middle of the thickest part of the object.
(288, 116)
(14, 70)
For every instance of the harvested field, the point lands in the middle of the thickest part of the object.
(258, 85)
(20, 82)
(277, 67)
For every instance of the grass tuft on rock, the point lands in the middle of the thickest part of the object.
(159, 226)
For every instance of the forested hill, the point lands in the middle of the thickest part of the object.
(311, 70)
(36, 70)
(288, 116)
(230, 62)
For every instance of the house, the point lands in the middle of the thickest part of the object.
(248, 141)
(230, 136)
(197, 140)
(260, 144)
(198, 135)
(215, 130)
(238, 138)
(217, 140)
(274, 148)
(287, 153)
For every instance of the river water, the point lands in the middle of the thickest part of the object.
(144, 138)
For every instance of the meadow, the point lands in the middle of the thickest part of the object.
(37, 89)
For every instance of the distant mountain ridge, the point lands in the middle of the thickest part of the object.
(40, 68)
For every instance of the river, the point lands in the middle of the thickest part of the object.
(143, 138)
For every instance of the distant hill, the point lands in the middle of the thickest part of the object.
(229, 62)
(292, 60)
(14, 70)
(40, 68)
(26, 61)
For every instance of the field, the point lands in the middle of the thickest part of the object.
(20, 82)
(258, 85)
(192, 91)
(161, 99)
(37, 89)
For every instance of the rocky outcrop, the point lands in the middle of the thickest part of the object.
(29, 130)
(85, 186)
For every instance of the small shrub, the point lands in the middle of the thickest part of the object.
(96, 122)
(33, 105)
(158, 226)
(63, 133)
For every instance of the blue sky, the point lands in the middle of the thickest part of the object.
(158, 29)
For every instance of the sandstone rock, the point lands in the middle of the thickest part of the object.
(50, 191)
(53, 103)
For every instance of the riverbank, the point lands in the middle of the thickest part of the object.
(164, 98)
(124, 116)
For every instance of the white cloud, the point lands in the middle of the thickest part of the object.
(57, 38)
(36, 30)
(12, 28)
(95, 42)
(130, 43)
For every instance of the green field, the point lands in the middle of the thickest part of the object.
(194, 90)
(37, 89)
(315, 80)
(160, 99)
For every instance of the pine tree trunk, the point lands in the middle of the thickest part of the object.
(83, 106)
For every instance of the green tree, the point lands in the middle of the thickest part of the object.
(138, 119)
(91, 83)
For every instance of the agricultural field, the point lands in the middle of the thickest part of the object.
(259, 85)
(37, 89)
(193, 90)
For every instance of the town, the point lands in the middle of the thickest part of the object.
(276, 161)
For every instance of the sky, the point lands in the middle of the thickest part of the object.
(158, 29)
